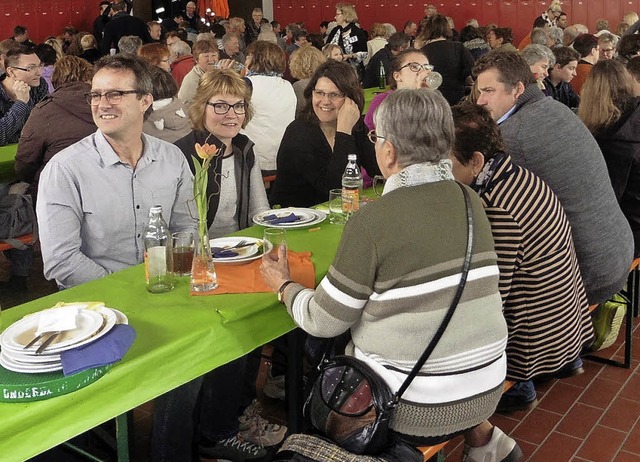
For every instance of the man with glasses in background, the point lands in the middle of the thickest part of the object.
(94, 196)
(21, 88)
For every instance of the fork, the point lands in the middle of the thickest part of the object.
(242, 243)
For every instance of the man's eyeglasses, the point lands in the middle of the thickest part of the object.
(30, 68)
(113, 96)
(373, 137)
(223, 108)
(333, 96)
(415, 67)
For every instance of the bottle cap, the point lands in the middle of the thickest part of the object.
(352, 157)
(155, 209)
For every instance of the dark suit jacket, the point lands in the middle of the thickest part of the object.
(120, 25)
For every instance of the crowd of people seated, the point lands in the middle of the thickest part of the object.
(543, 136)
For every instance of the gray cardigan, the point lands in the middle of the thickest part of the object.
(546, 137)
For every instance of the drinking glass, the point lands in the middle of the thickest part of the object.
(183, 246)
(339, 206)
(273, 239)
(433, 80)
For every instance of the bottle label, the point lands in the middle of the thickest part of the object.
(155, 262)
(354, 204)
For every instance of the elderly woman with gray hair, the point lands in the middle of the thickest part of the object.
(540, 59)
(395, 274)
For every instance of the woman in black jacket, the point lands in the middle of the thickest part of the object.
(349, 37)
(612, 114)
(451, 59)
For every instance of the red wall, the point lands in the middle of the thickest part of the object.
(48, 17)
(517, 14)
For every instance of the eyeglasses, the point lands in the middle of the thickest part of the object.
(606, 50)
(30, 68)
(373, 137)
(415, 67)
(112, 96)
(223, 108)
(332, 96)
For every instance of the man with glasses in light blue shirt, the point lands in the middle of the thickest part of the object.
(94, 197)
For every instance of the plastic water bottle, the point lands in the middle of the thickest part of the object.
(157, 253)
(383, 77)
(351, 185)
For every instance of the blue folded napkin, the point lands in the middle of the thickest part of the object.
(275, 220)
(108, 349)
(222, 253)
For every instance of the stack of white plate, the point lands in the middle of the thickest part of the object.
(306, 217)
(252, 249)
(91, 325)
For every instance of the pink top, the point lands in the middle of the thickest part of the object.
(375, 102)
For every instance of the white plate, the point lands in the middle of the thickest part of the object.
(319, 215)
(30, 358)
(306, 216)
(239, 259)
(28, 368)
(243, 252)
(20, 333)
(109, 319)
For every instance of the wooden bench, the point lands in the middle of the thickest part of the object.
(430, 451)
(26, 239)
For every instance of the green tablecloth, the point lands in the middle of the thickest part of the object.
(179, 337)
(7, 161)
(369, 94)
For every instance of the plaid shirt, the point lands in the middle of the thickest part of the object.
(14, 114)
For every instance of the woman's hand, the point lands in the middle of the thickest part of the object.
(348, 116)
(275, 271)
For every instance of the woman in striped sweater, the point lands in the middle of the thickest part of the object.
(395, 274)
(545, 304)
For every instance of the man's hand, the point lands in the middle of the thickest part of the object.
(21, 90)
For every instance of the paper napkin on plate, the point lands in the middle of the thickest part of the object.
(58, 319)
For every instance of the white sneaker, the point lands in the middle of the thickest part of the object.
(500, 448)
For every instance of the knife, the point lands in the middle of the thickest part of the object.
(47, 342)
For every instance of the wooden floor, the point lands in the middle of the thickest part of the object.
(592, 417)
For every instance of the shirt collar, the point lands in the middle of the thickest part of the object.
(109, 157)
(506, 115)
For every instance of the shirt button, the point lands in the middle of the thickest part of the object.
(137, 206)
(138, 235)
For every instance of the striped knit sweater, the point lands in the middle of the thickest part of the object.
(394, 276)
(545, 303)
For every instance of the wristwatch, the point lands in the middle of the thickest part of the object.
(281, 289)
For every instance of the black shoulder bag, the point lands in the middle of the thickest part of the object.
(350, 403)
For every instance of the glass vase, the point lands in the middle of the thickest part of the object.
(203, 271)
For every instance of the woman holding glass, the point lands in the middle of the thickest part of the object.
(314, 149)
(409, 69)
(390, 293)
(221, 107)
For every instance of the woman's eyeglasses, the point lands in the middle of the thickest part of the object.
(415, 67)
(223, 108)
(373, 137)
(333, 96)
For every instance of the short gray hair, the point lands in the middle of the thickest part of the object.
(226, 38)
(419, 125)
(556, 34)
(180, 48)
(536, 53)
(539, 36)
(129, 44)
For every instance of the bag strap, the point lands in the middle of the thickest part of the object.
(456, 299)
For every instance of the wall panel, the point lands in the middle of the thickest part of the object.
(48, 17)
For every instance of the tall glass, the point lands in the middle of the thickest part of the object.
(274, 238)
(183, 247)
